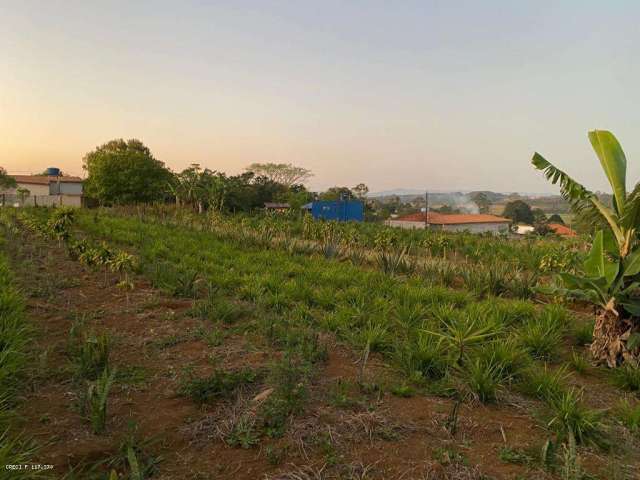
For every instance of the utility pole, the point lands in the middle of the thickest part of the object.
(426, 210)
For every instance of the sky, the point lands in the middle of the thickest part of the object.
(439, 95)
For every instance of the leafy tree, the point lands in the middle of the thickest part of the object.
(23, 194)
(446, 209)
(283, 173)
(360, 191)
(555, 218)
(539, 216)
(6, 181)
(121, 172)
(519, 212)
(610, 274)
(482, 201)
(336, 193)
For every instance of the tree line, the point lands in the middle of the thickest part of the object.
(126, 172)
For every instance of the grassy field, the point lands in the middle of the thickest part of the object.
(185, 346)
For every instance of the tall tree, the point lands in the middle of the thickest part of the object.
(283, 173)
(519, 212)
(6, 181)
(360, 191)
(482, 201)
(121, 172)
(611, 272)
(555, 218)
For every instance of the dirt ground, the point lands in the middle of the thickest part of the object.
(373, 435)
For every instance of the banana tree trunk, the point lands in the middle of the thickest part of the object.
(610, 335)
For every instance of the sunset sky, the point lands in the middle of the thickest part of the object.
(442, 95)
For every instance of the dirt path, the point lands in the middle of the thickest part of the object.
(345, 431)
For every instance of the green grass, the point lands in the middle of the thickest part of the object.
(14, 339)
(629, 415)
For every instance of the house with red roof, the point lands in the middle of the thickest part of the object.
(459, 222)
(562, 230)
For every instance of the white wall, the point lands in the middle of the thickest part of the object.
(477, 227)
(468, 227)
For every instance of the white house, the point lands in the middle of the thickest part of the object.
(474, 223)
(44, 190)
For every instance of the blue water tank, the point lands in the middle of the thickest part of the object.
(52, 171)
(340, 210)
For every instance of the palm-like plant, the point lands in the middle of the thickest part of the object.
(611, 272)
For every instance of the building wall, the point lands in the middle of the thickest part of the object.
(35, 189)
(66, 188)
(42, 200)
(477, 227)
(404, 224)
(463, 227)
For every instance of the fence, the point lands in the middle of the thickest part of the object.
(12, 200)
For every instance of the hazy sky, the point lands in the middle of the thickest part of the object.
(414, 94)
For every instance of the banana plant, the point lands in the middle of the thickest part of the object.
(610, 274)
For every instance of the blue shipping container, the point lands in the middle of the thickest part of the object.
(348, 210)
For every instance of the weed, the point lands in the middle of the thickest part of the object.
(629, 416)
(578, 362)
(91, 357)
(220, 384)
(244, 433)
(447, 456)
(288, 377)
(627, 377)
(515, 456)
(339, 394)
(95, 401)
(403, 390)
(583, 332)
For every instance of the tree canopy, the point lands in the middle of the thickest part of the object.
(555, 218)
(5, 180)
(283, 173)
(519, 212)
(122, 172)
(204, 189)
(482, 201)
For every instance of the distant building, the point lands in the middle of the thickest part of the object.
(276, 207)
(340, 210)
(562, 230)
(524, 229)
(474, 223)
(44, 191)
